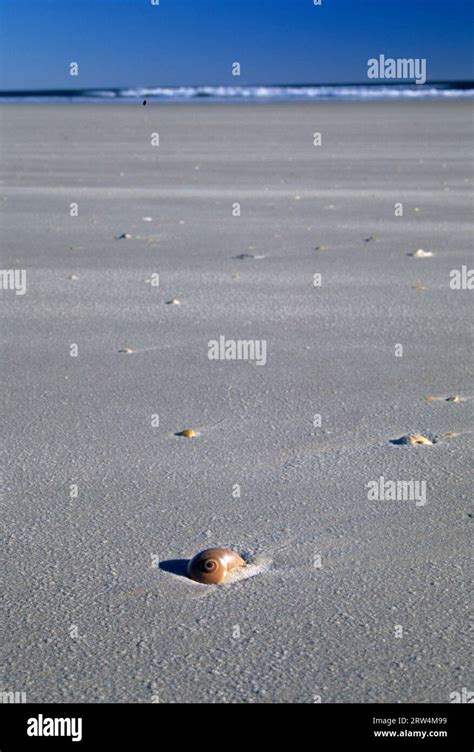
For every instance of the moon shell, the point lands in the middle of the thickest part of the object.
(211, 566)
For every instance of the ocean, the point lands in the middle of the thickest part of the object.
(353, 92)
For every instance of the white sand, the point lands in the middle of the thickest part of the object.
(145, 632)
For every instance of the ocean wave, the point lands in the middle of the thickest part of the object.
(291, 92)
(250, 93)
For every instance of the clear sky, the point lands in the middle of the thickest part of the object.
(122, 43)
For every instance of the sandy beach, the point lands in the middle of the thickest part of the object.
(101, 501)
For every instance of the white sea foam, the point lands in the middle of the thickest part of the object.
(295, 92)
(251, 93)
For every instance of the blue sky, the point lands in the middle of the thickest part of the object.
(122, 43)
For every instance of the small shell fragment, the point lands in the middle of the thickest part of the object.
(451, 398)
(126, 350)
(415, 438)
(243, 256)
(189, 433)
(173, 301)
(420, 253)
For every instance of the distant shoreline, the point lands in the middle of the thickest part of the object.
(297, 92)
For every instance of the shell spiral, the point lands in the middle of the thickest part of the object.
(211, 566)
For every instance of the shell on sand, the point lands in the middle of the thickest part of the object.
(452, 398)
(210, 567)
(126, 350)
(416, 438)
(189, 433)
(173, 301)
(420, 253)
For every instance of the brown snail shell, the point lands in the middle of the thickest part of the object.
(212, 565)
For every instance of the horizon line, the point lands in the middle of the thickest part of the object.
(458, 83)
